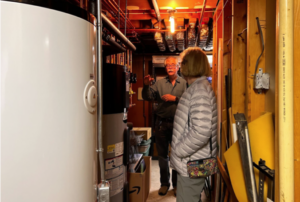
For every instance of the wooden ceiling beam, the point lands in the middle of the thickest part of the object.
(149, 16)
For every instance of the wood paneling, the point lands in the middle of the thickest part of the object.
(135, 114)
(238, 57)
(270, 40)
(297, 97)
(255, 101)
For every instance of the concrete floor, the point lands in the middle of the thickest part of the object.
(155, 185)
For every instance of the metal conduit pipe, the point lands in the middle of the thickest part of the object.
(100, 90)
(114, 30)
(286, 100)
(156, 9)
(112, 42)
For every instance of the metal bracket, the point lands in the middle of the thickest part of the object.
(265, 171)
(262, 80)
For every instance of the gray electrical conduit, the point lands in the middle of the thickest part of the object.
(263, 48)
(100, 89)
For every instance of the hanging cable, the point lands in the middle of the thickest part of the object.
(263, 48)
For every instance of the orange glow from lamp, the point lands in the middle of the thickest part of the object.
(172, 21)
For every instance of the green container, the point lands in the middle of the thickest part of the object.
(144, 147)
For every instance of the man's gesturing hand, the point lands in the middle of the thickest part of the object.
(168, 98)
(148, 80)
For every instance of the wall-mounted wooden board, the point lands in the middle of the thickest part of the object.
(297, 97)
(238, 57)
(255, 101)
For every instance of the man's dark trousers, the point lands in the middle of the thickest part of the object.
(163, 138)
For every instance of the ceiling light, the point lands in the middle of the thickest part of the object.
(172, 24)
(172, 20)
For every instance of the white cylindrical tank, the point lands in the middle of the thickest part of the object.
(48, 137)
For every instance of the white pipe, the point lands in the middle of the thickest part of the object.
(219, 103)
(234, 133)
(156, 9)
(99, 88)
(286, 105)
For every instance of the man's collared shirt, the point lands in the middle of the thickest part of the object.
(163, 87)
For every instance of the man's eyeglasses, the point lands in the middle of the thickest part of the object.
(171, 66)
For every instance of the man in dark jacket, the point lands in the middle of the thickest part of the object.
(167, 93)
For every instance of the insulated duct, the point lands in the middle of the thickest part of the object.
(160, 41)
(118, 34)
(180, 41)
(191, 37)
(203, 36)
(170, 41)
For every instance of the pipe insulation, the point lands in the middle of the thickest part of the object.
(118, 34)
(100, 90)
(286, 98)
(156, 9)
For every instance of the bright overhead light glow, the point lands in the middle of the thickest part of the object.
(182, 8)
(165, 8)
(172, 24)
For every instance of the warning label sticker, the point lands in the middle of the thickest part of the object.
(111, 149)
(119, 150)
(113, 163)
(117, 185)
(112, 173)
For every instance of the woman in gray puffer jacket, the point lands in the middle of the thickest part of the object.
(195, 122)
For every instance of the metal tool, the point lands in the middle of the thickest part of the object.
(245, 149)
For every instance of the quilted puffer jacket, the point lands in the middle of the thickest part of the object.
(190, 141)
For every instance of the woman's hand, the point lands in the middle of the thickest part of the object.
(168, 98)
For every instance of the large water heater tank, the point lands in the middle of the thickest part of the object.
(48, 134)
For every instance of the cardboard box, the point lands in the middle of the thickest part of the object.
(144, 130)
(139, 183)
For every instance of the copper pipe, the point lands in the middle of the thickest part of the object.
(113, 10)
(202, 13)
(121, 12)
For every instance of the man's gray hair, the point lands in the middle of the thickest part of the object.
(169, 58)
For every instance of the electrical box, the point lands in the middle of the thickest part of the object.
(262, 80)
